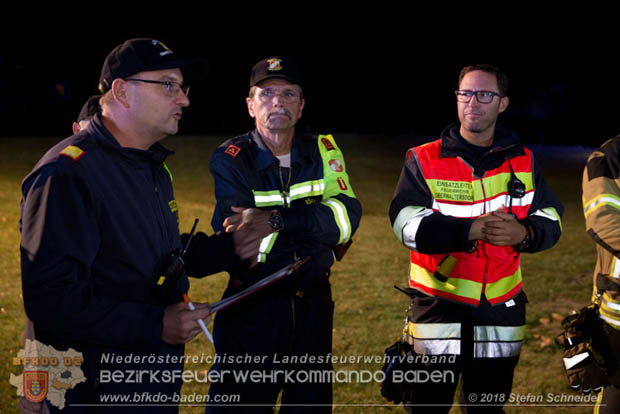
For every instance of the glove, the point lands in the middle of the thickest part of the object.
(583, 370)
(584, 365)
(396, 360)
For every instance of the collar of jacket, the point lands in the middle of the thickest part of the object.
(506, 145)
(156, 154)
(300, 150)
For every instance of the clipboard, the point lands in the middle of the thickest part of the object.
(263, 283)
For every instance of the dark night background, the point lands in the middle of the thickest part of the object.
(375, 81)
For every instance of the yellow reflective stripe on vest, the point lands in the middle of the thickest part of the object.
(341, 217)
(307, 189)
(472, 191)
(499, 333)
(269, 198)
(503, 286)
(498, 184)
(409, 217)
(459, 287)
(599, 201)
(168, 169)
(465, 288)
(265, 247)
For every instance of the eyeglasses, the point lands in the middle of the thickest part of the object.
(288, 96)
(173, 88)
(483, 97)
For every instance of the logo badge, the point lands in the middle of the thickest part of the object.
(336, 165)
(327, 143)
(167, 50)
(36, 385)
(233, 150)
(274, 64)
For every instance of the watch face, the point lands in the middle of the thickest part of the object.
(276, 221)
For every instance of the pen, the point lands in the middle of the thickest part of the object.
(191, 307)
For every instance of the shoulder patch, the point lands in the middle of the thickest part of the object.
(232, 150)
(327, 143)
(73, 152)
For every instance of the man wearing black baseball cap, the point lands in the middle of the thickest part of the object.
(297, 194)
(99, 224)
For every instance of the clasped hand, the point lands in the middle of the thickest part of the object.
(498, 228)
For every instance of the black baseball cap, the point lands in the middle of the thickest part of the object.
(90, 108)
(275, 67)
(140, 55)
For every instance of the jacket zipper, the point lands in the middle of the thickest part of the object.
(162, 221)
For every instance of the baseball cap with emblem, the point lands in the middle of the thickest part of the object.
(140, 55)
(275, 67)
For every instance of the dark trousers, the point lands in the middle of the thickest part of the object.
(484, 362)
(271, 328)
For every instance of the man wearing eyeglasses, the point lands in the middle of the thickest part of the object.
(99, 223)
(467, 205)
(299, 199)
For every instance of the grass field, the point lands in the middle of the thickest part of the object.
(369, 312)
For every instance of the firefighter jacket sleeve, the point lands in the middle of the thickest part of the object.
(544, 216)
(601, 207)
(60, 241)
(601, 197)
(415, 223)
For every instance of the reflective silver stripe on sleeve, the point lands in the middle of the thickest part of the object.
(610, 320)
(265, 247)
(407, 223)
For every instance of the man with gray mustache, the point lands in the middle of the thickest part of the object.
(298, 199)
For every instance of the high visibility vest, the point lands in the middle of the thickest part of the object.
(490, 270)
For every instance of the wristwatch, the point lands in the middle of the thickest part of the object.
(526, 242)
(275, 220)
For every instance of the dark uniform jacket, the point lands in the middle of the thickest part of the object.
(97, 222)
(318, 206)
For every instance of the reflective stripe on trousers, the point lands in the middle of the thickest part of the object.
(445, 338)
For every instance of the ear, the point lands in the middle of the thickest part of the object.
(250, 102)
(75, 127)
(121, 92)
(503, 104)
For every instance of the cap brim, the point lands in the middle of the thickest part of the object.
(277, 76)
(199, 67)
